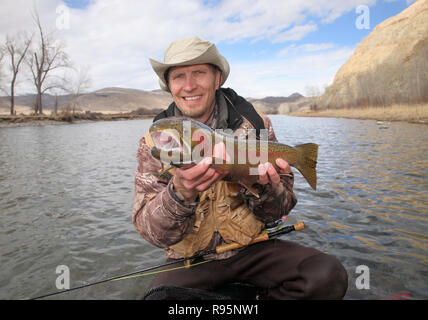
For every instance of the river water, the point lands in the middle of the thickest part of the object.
(66, 196)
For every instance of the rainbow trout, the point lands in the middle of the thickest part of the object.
(183, 141)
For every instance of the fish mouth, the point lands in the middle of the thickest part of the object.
(165, 141)
(169, 141)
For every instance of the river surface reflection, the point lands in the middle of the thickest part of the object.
(66, 199)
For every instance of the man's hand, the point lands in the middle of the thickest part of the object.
(190, 181)
(268, 173)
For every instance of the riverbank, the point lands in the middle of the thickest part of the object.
(10, 121)
(409, 113)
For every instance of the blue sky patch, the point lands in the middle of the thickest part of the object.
(77, 4)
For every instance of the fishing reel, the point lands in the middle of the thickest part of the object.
(275, 225)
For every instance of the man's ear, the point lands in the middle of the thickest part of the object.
(217, 79)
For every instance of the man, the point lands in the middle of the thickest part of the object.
(195, 211)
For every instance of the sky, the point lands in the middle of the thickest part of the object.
(274, 47)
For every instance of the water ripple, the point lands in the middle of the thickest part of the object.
(66, 198)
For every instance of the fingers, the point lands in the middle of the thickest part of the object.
(195, 171)
(205, 185)
(268, 173)
(283, 166)
(263, 178)
(198, 177)
(201, 176)
(219, 151)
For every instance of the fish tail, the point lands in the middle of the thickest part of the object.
(307, 162)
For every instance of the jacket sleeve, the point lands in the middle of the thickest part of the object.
(274, 201)
(157, 214)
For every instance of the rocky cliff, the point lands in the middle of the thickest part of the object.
(389, 66)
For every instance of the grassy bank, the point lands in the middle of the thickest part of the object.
(410, 113)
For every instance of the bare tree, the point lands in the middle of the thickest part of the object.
(2, 89)
(16, 49)
(44, 59)
(2, 54)
(56, 105)
(313, 92)
(78, 85)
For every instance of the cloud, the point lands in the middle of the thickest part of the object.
(307, 47)
(295, 33)
(282, 76)
(117, 37)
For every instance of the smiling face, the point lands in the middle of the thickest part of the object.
(193, 89)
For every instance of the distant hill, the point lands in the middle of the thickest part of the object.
(281, 105)
(116, 100)
(123, 100)
(107, 100)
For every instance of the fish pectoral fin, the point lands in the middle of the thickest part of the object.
(252, 190)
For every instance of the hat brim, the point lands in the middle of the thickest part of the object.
(210, 56)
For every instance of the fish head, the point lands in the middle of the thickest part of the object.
(175, 138)
(166, 135)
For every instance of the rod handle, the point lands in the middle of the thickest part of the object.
(261, 237)
(299, 226)
(234, 245)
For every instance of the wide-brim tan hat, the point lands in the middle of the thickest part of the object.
(190, 51)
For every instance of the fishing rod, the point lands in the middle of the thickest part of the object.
(260, 238)
(277, 230)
